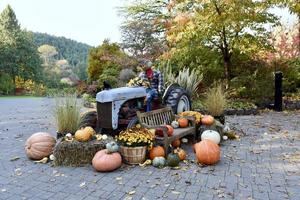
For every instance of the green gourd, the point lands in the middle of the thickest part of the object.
(112, 147)
(173, 160)
(159, 162)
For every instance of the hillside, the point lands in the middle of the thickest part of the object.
(75, 52)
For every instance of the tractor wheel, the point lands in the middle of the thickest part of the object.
(178, 99)
(89, 118)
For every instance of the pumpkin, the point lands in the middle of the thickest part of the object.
(157, 151)
(159, 132)
(39, 145)
(89, 130)
(207, 120)
(183, 122)
(82, 136)
(112, 147)
(176, 143)
(159, 162)
(173, 160)
(175, 124)
(207, 152)
(181, 153)
(105, 162)
(211, 135)
(170, 130)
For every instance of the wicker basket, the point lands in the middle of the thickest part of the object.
(133, 155)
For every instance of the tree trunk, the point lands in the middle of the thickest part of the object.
(227, 74)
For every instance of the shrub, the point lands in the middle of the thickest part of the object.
(6, 84)
(110, 75)
(215, 101)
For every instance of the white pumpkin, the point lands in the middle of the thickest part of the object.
(175, 124)
(211, 135)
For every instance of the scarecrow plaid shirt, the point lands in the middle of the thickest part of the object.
(157, 82)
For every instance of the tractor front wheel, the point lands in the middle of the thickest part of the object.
(89, 118)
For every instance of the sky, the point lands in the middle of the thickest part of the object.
(87, 21)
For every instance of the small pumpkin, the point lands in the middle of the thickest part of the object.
(89, 130)
(157, 151)
(105, 162)
(159, 162)
(176, 143)
(82, 136)
(39, 145)
(112, 147)
(159, 132)
(183, 122)
(181, 153)
(207, 152)
(170, 130)
(175, 124)
(207, 120)
(173, 160)
(211, 135)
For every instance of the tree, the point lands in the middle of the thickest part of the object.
(47, 53)
(18, 55)
(223, 26)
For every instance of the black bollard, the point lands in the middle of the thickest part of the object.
(278, 91)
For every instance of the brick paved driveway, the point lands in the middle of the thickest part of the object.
(264, 164)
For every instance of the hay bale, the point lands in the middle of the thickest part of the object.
(77, 153)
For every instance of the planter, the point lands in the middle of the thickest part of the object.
(133, 155)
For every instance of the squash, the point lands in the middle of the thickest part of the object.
(39, 145)
(207, 120)
(157, 151)
(159, 162)
(211, 135)
(176, 143)
(89, 130)
(173, 160)
(112, 147)
(170, 130)
(183, 122)
(207, 152)
(175, 124)
(181, 153)
(105, 162)
(82, 136)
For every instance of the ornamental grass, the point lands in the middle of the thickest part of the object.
(215, 101)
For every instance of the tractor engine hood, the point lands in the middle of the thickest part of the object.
(120, 94)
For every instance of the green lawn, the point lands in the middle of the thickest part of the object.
(19, 97)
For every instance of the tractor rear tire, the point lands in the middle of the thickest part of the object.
(178, 99)
(89, 118)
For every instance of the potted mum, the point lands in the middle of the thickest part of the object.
(133, 144)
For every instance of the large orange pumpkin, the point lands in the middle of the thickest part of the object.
(183, 122)
(207, 152)
(207, 120)
(39, 145)
(105, 162)
(170, 130)
(157, 151)
(176, 143)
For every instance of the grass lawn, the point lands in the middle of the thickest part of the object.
(19, 97)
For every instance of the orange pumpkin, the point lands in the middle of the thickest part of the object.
(207, 152)
(105, 162)
(207, 120)
(181, 153)
(170, 130)
(157, 151)
(176, 143)
(183, 122)
(39, 145)
(82, 136)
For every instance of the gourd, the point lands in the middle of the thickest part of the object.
(207, 120)
(173, 160)
(159, 162)
(157, 151)
(176, 143)
(175, 124)
(105, 162)
(183, 122)
(39, 145)
(112, 147)
(211, 135)
(181, 153)
(170, 130)
(82, 136)
(89, 130)
(207, 152)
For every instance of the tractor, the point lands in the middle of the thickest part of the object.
(116, 108)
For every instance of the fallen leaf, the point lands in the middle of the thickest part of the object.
(3, 190)
(176, 192)
(15, 158)
(238, 175)
(131, 192)
(119, 178)
(18, 172)
(82, 184)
